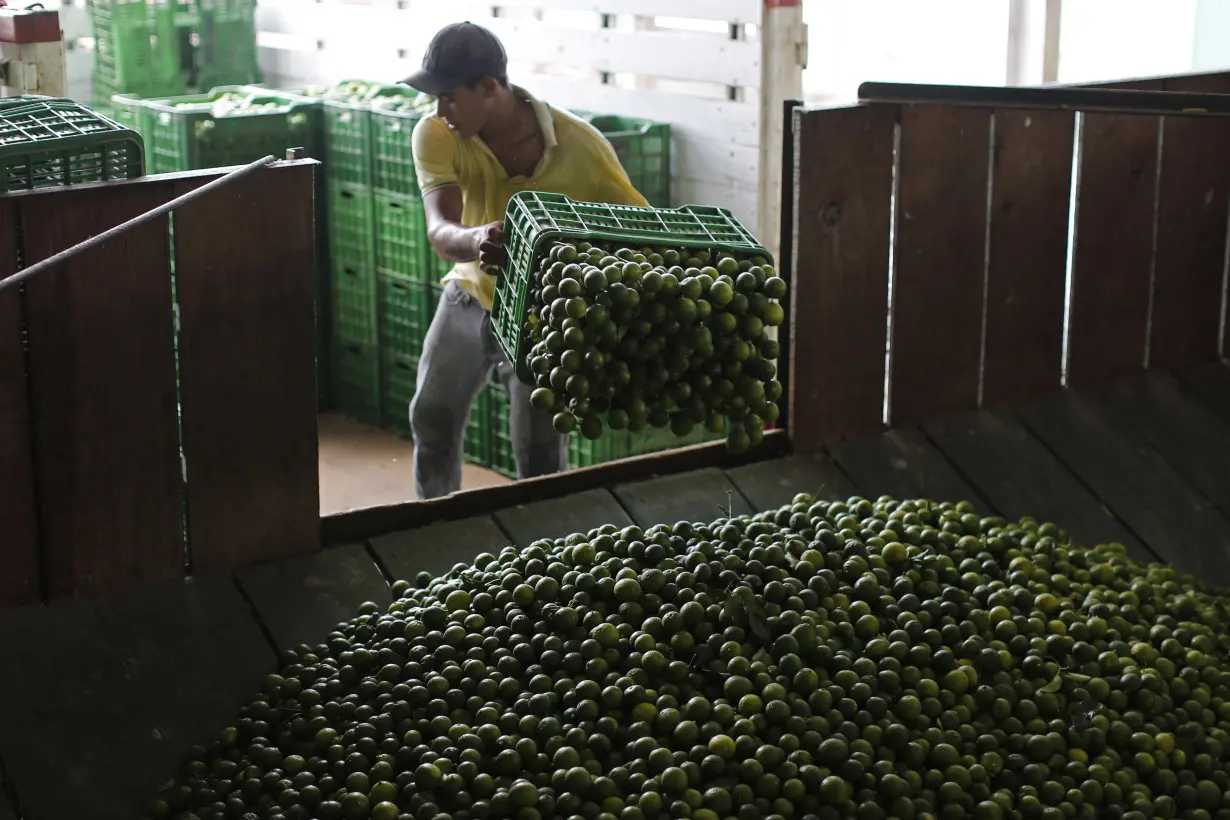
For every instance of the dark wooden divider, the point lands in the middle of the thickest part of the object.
(97, 488)
(932, 246)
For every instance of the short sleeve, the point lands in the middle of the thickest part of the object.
(435, 154)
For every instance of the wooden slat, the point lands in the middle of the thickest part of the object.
(1191, 233)
(1210, 382)
(1191, 436)
(112, 691)
(102, 380)
(558, 517)
(902, 464)
(696, 496)
(1019, 476)
(437, 548)
(840, 298)
(299, 600)
(1030, 197)
(771, 484)
(940, 260)
(1114, 247)
(1174, 520)
(19, 579)
(7, 812)
(245, 262)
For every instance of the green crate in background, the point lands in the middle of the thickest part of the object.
(348, 108)
(614, 445)
(401, 236)
(230, 125)
(48, 143)
(477, 447)
(536, 218)
(398, 376)
(502, 459)
(392, 152)
(355, 372)
(644, 149)
(404, 314)
(351, 224)
(354, 303)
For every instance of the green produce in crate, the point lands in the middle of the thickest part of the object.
(821, 661)
(420, 103)
(626, 338)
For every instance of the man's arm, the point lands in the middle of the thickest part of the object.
(457, 242)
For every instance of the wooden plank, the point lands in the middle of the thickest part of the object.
(1030, 197)
(695, 496)
(1193, 205)
(437, 548)
(1187, 433)
(112, 691)
(558, 517)
(299, 600)
(940, 261)
(7, 812)
(771, 484)
(19, 581)
(1172, 518)
(840, 290)
(1114, 247)
(245, 262)
(901, 463)
(102, 382)
(1019, 476)
(1210, 382)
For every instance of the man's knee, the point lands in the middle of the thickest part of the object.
(432, 418)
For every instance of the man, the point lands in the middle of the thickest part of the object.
(488, 140)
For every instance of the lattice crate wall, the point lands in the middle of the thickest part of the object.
(703, 83)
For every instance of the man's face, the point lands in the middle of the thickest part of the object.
(465, 109)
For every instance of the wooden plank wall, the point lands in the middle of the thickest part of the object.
(96, 495)
(932, 254)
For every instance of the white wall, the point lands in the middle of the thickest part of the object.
(1113, 39)
(1212, 40)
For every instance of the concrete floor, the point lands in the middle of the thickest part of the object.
(361, 466)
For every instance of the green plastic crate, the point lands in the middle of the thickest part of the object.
(502, 459)
(477, 445)
(49, 142)
(392, 152)
(614, 445)
(404, 314)
(397, 383)
(348, 110)
(355, 371)
(353, 308)
(197, 131)
(644, 149)
(401, 236)
(535, 218)
(351, 218)
(226, 50)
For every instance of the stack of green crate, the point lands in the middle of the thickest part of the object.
(49, 143)
(135, 50)
(224, 34)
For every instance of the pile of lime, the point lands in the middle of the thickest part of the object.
(625, 338)
(823, 661)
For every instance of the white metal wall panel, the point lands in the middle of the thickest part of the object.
(716, 141)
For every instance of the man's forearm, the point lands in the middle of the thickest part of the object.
(456, 243)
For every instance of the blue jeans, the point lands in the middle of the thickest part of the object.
(458, 356)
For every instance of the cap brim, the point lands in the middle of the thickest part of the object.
(430, 83)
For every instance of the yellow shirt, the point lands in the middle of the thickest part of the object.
(578, 162)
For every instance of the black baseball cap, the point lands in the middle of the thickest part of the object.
(459, 53)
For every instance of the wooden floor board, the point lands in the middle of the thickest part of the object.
(696, 496)
(1175, 521)
(437, 548)
(112, 691)
(1190, 435)
(558, 517)
(773, 483)
(1019, 476)
(903, 464)
(1211, 382)
(299, 600)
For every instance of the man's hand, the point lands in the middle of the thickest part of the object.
(489, 242)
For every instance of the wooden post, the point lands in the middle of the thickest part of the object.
(783, 55)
